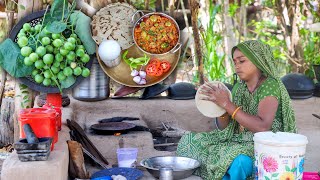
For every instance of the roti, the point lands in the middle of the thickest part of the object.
(113, 22)
(208, 108)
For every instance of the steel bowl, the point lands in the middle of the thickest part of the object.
(182, 167)
(177, 45)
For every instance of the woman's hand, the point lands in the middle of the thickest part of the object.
(217, 94)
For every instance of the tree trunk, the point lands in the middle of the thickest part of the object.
(30, 6)
(194, 6)
(291, 33)
(243, 15)
(229, 37)
(6, 122)
(171, 79)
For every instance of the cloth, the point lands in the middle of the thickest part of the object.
(240, 168)
(217, 149)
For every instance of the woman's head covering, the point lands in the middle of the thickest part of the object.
(261, 55)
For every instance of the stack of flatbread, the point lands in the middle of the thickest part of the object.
(209, 108)
(113, 22)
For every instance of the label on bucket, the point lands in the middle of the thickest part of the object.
(273, 161)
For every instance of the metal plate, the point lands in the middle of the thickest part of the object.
(112, 127)
(121, 73)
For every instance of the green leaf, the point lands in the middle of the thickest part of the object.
(12, 61)
(25, 92)
(56, 27)
(288, 169)
(59, 8)
(275, 174)
(47, 20)
(293, 170)
(25, 97)
(22, 7)
(26, 101)
(69, 81)
(83, 30)
(266, 178)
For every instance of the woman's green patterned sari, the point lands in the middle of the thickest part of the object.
(217, 149)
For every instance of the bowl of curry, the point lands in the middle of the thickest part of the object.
(156, 33)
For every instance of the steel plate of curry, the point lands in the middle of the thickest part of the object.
(156, 33)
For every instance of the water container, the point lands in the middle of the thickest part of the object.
(127, 157)
(95, 87)
(279, 155)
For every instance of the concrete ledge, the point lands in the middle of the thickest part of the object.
(55, 168)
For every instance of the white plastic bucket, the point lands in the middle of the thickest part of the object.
(279, 155)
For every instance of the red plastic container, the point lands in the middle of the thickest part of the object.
(58, 110)
(42, 121)
(55, 99)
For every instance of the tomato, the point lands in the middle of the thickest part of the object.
(34, 73)
(71, 56)
(27, 61)
(26, 27)
(63, 51)
(159, 71)
(151, 69)
(85, 58)
(55, 36)
(69, 46)
(80, 52)
(39, 78)
(85, 72)
(67, 71)
(77, 71)
(39, 64)
(47, 74)
(72, 40)
(33, 57)
(58, 57)
(37, 28)
(46, 82)
(49, 48)
(45, 41)
(155, 61)
(61, 76)
(55, 69)
(48, 59)
(41, 51)
(57, 43)
(26, 51)
(165, 65)
(23, 41)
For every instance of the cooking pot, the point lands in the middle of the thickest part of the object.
(144, 16)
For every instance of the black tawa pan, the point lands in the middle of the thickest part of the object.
(110, 128)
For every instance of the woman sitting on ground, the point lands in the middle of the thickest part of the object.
(260, 103)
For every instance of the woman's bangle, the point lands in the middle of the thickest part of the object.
(235, 112)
